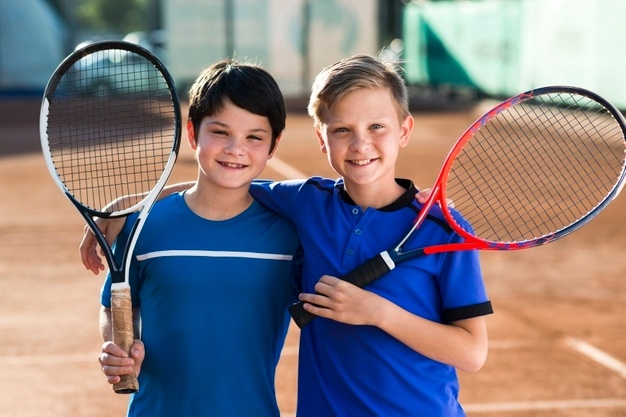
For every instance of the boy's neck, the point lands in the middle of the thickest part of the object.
(218, 204)
(373, 196)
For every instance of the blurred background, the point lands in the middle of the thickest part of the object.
(558, 338)
(450, 49)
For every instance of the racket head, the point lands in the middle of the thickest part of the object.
(534, 168)
(110, 125)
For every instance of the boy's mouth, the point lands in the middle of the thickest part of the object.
(232, 165)
(361, 162)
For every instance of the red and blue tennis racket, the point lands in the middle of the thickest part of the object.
(530, 171)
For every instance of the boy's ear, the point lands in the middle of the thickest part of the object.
(318, 133)
(191, 135)
(405, 130)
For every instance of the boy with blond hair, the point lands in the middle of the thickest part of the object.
(389, 349)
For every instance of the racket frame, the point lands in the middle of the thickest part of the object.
(121, 303)
(474, 242)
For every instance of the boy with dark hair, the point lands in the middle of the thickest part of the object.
(213, 270)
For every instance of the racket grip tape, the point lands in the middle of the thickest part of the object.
(123, 334)
(360, 276)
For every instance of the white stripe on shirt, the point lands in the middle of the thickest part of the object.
(214, 254)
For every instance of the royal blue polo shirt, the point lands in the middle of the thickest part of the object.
(347, 370)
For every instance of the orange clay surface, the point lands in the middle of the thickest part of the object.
(557, 338)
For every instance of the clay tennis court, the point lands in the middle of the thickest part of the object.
(557, 338)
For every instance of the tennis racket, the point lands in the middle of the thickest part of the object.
(533, 169)
(110, 127)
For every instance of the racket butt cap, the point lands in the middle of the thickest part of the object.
(300, 316)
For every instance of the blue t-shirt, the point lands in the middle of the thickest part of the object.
(213, 297)
(347, 370)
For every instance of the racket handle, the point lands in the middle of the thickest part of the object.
(123, 334)
(299, 315)
(360, 276)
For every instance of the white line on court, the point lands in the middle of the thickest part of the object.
(535, 405)
(21, 360)
(285, 169)
(290, 351)
(500, 344)
(597, 355)
(545, 405)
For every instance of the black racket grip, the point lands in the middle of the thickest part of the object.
(359, 276)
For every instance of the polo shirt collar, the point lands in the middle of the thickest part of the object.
(404, 200)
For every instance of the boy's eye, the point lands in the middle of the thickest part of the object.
(376, 126)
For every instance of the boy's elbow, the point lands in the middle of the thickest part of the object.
(477, 344)
(474, 366)
(475, 361)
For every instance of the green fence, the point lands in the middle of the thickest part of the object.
(502, 47)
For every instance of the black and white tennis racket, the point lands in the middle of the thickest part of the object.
(110, 127)
(530, 171)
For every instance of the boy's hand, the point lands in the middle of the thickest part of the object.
(89, 246)
(116, 362)
(423, 195)
(341, 301)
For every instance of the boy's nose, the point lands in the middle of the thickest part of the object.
(234, 145)
(360, 142)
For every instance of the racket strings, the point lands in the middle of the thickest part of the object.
(537, 167)
(551, 125)
(111, 127)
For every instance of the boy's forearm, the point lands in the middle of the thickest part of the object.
(462, 345)
(176, 188)
(128, 201)
(105, 324)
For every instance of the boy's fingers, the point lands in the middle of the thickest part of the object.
(422, 196)
(113, 349)
(113, 379)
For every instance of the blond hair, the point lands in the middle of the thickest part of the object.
(355, 73)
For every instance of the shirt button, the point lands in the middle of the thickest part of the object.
(349, 252)
(355, 211)
(357, 232)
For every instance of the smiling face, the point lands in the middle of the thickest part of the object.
(232, 147)
(362, 135)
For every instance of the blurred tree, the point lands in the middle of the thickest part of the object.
(113, 16)
(108, 16)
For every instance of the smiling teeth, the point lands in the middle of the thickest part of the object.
(362, 162)
(233, 165)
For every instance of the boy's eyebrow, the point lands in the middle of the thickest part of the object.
(373, 119)
(217, 122)
(259, 129)
(222, 124)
